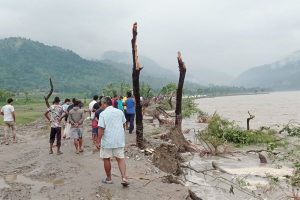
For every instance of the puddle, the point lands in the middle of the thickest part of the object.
(57, 182)
(3, 184)
(36, 186)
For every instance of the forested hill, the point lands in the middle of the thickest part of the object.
(281, 75)
(27, 65)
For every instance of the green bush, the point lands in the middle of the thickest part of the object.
(227, 131)
(292, 130)
(189, 108)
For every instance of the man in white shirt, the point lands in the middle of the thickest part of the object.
(111, 139)
(91, 105)
(9, 117)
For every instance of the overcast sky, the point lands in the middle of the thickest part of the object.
(223, 35)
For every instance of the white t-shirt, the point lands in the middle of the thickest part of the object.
(91, 105)
(7, 111)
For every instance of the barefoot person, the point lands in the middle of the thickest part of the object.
(9, 117)
(56, 111)
(76, 118)
(111, 139)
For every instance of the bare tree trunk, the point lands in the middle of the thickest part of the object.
(50, 93)
(170, 101)
(248, 120)
(182, 70)
(136, 90)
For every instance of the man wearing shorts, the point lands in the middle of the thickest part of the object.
(9, 117)
(111, 139)
(76, 118)
(56, 111)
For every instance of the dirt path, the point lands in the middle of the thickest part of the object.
(27, 171)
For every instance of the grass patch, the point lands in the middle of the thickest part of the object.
(27, 113)
(26, 117)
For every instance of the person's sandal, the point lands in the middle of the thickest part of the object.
(50, 152)
(125, 182)
(107, 181)
(59, 153)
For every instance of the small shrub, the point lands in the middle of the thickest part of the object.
(292, 130)
(295, 179)
(227, 131)
(189, 108)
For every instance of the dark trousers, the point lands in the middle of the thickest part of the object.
(55, 133)
(131, 122)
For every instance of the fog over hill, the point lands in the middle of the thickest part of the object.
(281, 75)
(27, 65)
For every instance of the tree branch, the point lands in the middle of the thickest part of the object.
(49, 94)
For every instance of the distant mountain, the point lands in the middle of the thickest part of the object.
(153, 69)
(206, 76)
(281, 75)
(27, 65)
(150, 67)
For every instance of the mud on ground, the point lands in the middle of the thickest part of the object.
(27, 171)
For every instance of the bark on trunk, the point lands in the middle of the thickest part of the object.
(136, 90)
(248, 120)
(182, 70)
(49, 94)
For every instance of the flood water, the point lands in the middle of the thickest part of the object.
(272, 109)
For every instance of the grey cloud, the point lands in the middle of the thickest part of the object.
(228, 36)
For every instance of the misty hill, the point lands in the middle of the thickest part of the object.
(207, 76)
(152, 69)
(123, 61)
(281, 75)
(27, 65)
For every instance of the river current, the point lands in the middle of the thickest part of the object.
(272, 109)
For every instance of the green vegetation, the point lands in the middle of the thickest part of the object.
(215, 90)
(189, 108)
(121, 90)
(221, 131)
(292, 129)
(168, 89)
(295, 179)
(4, 95)
(27, 113)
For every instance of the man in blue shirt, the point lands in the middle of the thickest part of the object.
(130, 112)
(111, 139)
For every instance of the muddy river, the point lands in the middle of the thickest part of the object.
(271, 109)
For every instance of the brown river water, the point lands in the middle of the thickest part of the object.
(272, 109)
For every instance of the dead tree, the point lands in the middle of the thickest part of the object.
(182, 70)
(136, 89)
(49, 94)
(248, 120)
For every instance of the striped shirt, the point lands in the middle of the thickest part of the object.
(112, 120)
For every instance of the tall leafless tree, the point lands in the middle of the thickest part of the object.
(182, 71)
(136, 89)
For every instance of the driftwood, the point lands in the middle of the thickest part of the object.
(248, 120)
(136, 69)
(49, 94)
(182, 70)
(261, 150)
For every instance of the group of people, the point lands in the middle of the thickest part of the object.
(110, 118)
